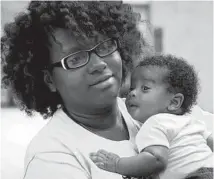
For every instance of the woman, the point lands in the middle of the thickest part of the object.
(66, 60)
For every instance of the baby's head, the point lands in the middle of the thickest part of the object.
(162, 84)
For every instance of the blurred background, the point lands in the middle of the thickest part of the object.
(182, 28)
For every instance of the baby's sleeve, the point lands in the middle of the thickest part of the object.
(159, 130)
(205, 119)
(205, 132)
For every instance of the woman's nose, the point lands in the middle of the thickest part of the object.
(96, 64)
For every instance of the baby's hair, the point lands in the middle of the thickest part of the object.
(181, 77)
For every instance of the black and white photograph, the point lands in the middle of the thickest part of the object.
(107, 89)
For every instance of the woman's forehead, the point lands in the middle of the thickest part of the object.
(63, 43)
(67, 40)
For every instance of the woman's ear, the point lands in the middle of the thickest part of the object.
(176, 102)
(49, 81)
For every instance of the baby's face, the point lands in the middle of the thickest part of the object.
(148, 93)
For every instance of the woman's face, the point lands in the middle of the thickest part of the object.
(94, 85)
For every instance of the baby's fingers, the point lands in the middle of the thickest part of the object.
(100, 165)
(96, 158)
(100, 154)
(103, 152)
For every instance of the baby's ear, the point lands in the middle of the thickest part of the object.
(176, 102)
(49, 81)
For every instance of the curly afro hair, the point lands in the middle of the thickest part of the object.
(181, 77)
(24, 50)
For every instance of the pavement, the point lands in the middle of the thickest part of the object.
(17, 130)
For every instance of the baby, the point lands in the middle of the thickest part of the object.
(171, 143)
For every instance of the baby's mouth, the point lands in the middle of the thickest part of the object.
(132, 105)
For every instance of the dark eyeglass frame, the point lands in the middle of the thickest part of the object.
(62, 63)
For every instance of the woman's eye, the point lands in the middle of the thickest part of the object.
(75, 60)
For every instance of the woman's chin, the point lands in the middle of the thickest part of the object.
(106, 99)
(111, 93)
(106, 96)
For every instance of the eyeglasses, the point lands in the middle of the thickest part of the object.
(81, 58)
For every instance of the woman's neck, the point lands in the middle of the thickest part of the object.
(97, 119)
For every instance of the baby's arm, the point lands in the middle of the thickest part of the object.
(152, 159)
(210, 141)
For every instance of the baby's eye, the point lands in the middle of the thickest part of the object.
(145, 88)
(131, 89)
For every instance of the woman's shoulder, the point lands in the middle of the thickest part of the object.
(50, 137)
(44, 141)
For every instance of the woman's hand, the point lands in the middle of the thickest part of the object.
(105, 160)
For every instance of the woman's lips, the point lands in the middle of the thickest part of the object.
(101, 79)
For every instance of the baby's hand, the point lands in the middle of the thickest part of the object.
(105, 160)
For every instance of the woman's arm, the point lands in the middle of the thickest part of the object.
(152, 159)
(55, 166)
